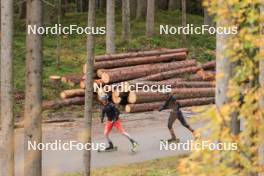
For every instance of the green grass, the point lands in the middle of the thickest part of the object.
(159, 167)
(73, 50)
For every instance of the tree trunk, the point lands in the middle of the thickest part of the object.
(173, 5)
(126, 20)
(22, 10)
(261, 81)
(110, 27)
(141, 8)
(118, 56)
(133, 8)
(64, 8)
(180, 93)
(58, 50)
(184, 22)
(33, 100)
(55, 104)
(89, 89)
(85, 5)
(208, 20)
(143, 70)
(150, 18)
(224, 67)
(141, 60)
(162, 4)
(7, 163)
(143, 107)
(102, 5)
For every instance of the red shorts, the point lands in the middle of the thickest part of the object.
(109, 125)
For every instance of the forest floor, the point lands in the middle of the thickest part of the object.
(147, 128)
(73, 47)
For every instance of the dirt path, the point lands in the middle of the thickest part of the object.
(146, 128)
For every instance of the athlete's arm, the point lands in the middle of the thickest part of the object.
(103, 115)
(165, 105)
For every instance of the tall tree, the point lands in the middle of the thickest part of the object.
(173, 4)
(110, 26)
(33, 91)
(141, 8)
(133, 8)
(58, 50)
(126, 20)
(162, 4)
(261, 81)
(150, 18)
(102, 4)
(184, 22)
(85, 5)
(89, 88)
(225, 69)
(208, 20)
(7, 131)
(22, 9)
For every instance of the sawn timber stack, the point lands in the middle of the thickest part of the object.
(191, 82)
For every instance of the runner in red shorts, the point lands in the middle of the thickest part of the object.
(112, 114)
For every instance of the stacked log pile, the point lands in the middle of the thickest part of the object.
(193, 84)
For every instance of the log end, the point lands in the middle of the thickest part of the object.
(62, 95)
(82, 84)
(128, 108)
(105, 77)
(132, 97)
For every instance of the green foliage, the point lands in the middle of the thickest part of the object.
(245, 94)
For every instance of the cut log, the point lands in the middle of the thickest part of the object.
(132, 108)
(72, 93)
(194, 84)
(169, 74)
(179, 93)
(120, 99)
(138, 54)
(82, 84)
(100, 72)
(193, 77)
(73, 79)
(180, 72)
(120, 94)
(140, 60)
(209, 65)
(54, 79)
(63, 103)
(137, 72)
(98, 81)
(205, 74)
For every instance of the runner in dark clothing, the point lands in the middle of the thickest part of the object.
(112, 114)
(175, 113)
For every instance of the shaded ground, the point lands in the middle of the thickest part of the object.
(146, 128)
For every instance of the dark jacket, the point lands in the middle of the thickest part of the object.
(111, 112)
